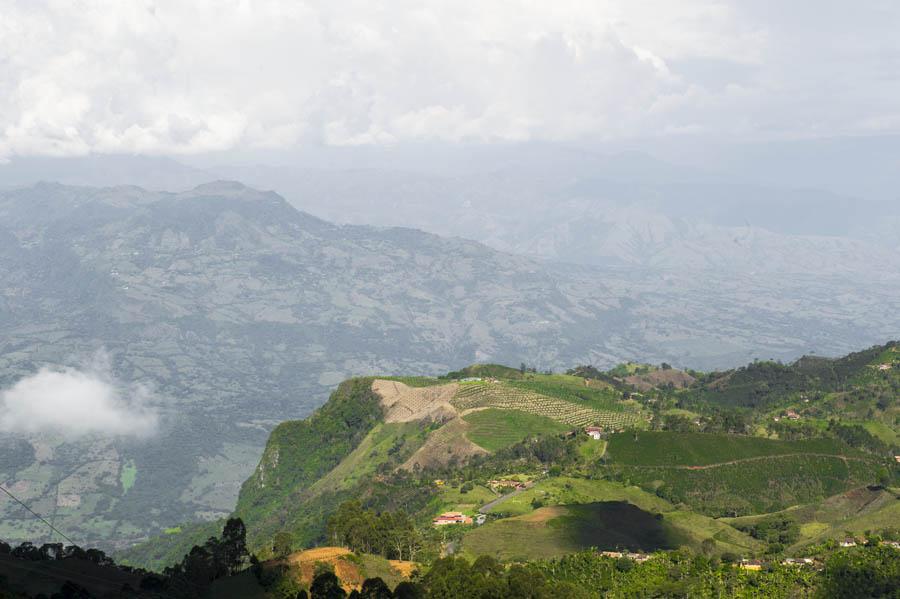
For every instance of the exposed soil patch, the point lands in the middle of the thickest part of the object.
(403, 403)
(305, 562)
(444, 445)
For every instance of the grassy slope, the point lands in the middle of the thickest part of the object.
(372, 451)
(494, 429)
(451, 499)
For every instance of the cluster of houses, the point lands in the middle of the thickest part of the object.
(451, 518)
(637, 557)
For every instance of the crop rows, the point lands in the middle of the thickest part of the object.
(498, 395)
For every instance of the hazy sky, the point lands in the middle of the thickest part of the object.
(176, 77)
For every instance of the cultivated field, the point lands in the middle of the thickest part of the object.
(511, 396)
(494, 429)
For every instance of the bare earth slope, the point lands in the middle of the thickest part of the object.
(403, 403)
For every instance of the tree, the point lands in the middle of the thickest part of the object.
(375, 588)
(409, 590)
(326, 586)
(234, 545)
(282, 544)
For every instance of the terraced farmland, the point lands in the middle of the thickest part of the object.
(507, 397)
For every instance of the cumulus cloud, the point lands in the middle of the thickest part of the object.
(77, 402)
(169, 76)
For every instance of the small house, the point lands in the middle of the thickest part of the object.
(594, 432)
(848, 542)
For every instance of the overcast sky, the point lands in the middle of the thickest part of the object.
(182, 77)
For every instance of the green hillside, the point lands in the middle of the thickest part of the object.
(726, 475)
(689, 469)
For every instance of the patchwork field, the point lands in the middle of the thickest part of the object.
(725, 475)
(680, 527)
(663, 449)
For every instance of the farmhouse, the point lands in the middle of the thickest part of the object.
(848, 542)
(884, 367)
(792, 415)
(451, 518)
(751, 564)
(594, 432)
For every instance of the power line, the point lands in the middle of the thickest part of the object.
(36, 515)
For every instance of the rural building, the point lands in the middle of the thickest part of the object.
(507, 484)
(638, 557)
(612, 554)
(848, 542)
(797, 561)
(451, 518)
(884, 367)
(480, 519)
(894, 544)
(594, 432)
(751, 564)
(792, 415)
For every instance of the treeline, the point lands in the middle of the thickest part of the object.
(872, 572)
(217, 558)
(726, 421)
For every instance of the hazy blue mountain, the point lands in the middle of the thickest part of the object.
(241, 311)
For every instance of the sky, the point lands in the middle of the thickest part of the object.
(189, 77)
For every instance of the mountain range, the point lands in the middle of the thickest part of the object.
(237, 311)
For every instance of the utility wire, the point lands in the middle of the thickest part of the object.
(36, 515)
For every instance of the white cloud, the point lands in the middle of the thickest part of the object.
(171, 76)
(76, 403)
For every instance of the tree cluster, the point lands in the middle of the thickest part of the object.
(390, 534)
